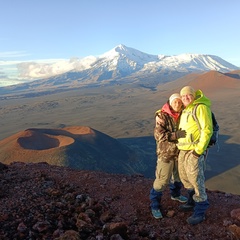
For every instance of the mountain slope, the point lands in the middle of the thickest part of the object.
(128, 113)
(216, 85)
(117, 66)
(122, 60)
(76, 147)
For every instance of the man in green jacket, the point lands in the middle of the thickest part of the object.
(193, 151)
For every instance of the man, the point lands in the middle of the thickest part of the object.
(193, 151)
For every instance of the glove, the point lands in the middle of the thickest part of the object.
(180, 133)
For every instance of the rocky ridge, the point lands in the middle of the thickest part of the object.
(41, 201)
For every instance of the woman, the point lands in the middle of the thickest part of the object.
(166, 136)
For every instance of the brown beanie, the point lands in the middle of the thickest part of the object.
(187, 90)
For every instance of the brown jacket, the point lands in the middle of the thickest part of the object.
(164, 133)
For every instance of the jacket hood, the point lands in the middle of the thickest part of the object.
(201, 98)
(167, 109)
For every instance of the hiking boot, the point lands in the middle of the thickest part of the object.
(186, 207)
(157, 213)
(180, 198)
(193, 220)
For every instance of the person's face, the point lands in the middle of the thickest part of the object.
(187, 99)
(176, 105)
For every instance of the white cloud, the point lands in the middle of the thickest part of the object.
(37, 69)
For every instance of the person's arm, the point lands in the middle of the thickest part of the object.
(204, 116)
(162, 131)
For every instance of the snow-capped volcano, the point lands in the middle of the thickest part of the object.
(132, 56)
(122, 61)
(125, 60)
(119, 65)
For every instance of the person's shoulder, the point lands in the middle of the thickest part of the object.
(161, 114)
(202, 105)
(201, 108)
(158, 112)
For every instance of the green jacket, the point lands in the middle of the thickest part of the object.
(194, 139)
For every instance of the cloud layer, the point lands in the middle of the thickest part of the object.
(14, 72)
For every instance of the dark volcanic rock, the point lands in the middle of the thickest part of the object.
(40, 201)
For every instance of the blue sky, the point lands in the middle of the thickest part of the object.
(52, 29)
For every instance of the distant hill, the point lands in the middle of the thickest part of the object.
(213, 83)
(75, 147)
(126, 113)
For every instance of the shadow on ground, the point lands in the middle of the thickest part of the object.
(218, 161)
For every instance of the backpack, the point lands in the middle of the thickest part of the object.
(214, 138)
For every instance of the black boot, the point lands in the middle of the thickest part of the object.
(189, 205)
(199, 213)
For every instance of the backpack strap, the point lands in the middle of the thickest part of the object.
(194, 114)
